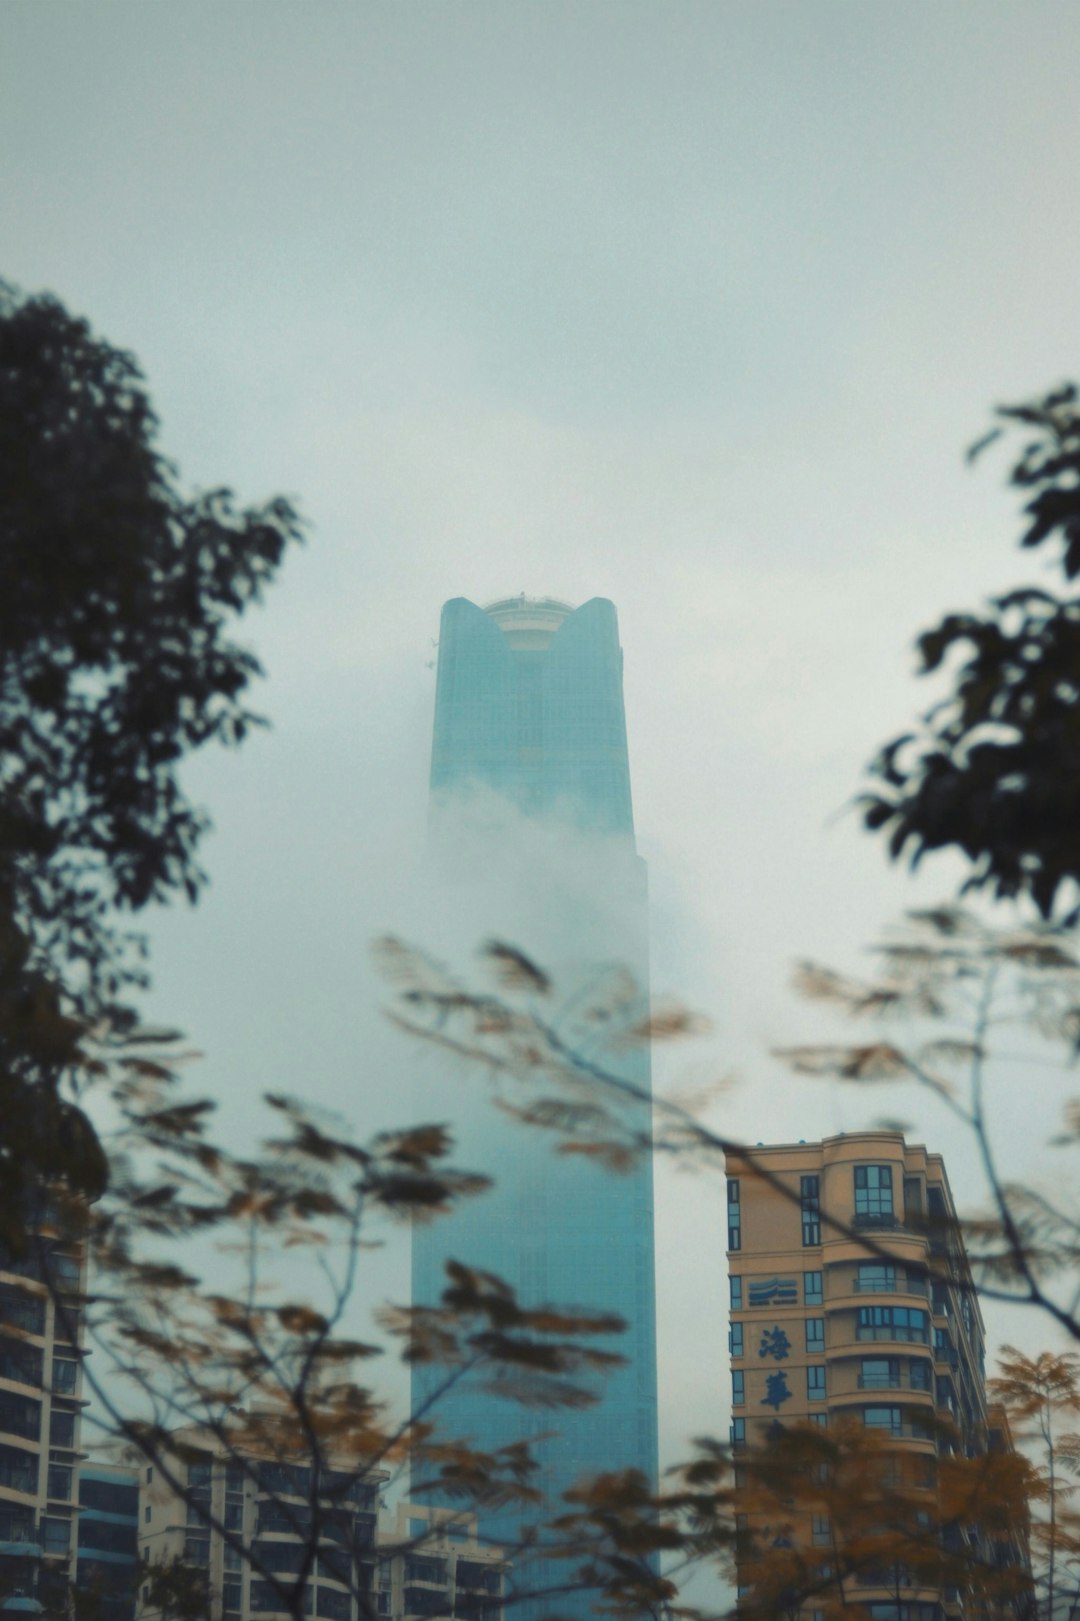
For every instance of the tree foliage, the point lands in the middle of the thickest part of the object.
(994, 769)
(948, 988)
(945, 989)
(1041, 1396)
(266, 1358)
(118, 593)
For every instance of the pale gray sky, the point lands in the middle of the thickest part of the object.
(691, 305)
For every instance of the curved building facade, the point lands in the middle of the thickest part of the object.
(529, 716)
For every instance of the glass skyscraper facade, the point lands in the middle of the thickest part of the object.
(529, 716)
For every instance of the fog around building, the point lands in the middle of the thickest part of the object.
(692, 306)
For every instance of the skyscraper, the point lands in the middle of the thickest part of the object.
(530, 733)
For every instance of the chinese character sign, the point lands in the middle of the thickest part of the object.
(774, 1343)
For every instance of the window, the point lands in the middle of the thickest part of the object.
(815, 1334)
(810, 1205)
(64, 1376)
(738, 1386)
(820, 1419)
(734, 1217)
(879, 1373)
(815, 1382)
(892, 1611)
(812, 1290)
(232, 1596)
(60, 1482)
(68, 1324)
(106, 1537)
(891, 1323)
(735, 1340)
(884, 1418)
(920, 1374)
(55, 1535)
(197, 1550)
(20, 1362)
(820, 1530)
(735, 1286)
(18, 1469)
(65, 1268)
(20, 1415)
(876, 1278)
(873, 1193)
(147, 1511)
(232, 1558)
(738, 1432)
(420, 1569)
(286, 1556)
(266, 1598)
(149, 1473)
(199, 1474)
(22, 1309)
(61, 1428)
(336, 1564)
(234, 1516)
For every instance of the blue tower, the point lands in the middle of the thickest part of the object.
(529, 716)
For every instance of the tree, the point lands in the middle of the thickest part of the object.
(116, 664)
(952, 983)
(956, 983)
(117, 597)
(244, 1371)
(1041, 1396)
(994, 769)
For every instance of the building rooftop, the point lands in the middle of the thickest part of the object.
(528, 622)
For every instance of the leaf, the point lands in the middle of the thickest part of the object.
(515, 971)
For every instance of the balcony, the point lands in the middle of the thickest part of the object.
(895, 1286)
(905, 1431)
(479, 1577)
(900, 1381)
(19, 1536)
(21, 1309)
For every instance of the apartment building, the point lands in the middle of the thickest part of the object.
(242, 1521)
(431, 1563)
(108, 1538)
(851, 1298)
(41, 1326)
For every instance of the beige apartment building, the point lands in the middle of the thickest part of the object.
(851, 1296)
(246, 1524)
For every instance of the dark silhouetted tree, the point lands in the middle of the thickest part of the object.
(994, 769)
(118, 595)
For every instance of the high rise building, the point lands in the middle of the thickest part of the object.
(852, 1299)
(242, 1531)
(41, 1329)
(530, 738)
(239, 1515)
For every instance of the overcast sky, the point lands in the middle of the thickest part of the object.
(695, 306)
